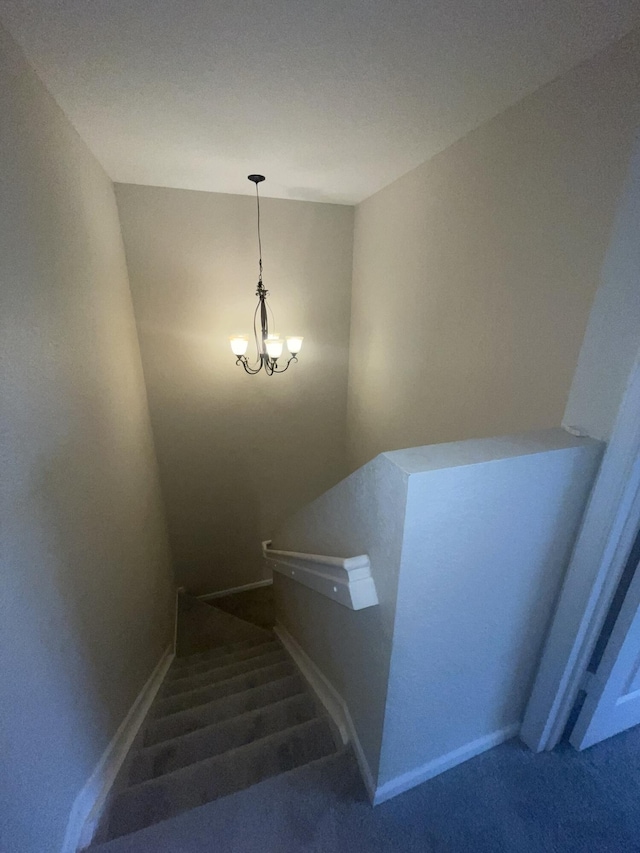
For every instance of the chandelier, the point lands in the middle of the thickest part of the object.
(268, 346)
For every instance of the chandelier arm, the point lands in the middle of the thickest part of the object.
(286, 367)
(248, 369)
(270, 311)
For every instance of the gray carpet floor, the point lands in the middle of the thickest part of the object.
(505, 801)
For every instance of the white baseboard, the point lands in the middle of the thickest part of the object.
(338, 710)
(88, 805)
(333, 702)
(445, 762)
(222, 592)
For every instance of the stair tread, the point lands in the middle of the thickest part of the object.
(337, 773)
(177, 673)
(227, 719)
(224, 649)
(260, 743)
(222, 708)
(237, 683)
(219, 737)
(203, 781)
(222, 673)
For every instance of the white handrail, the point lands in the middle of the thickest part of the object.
(346, 580)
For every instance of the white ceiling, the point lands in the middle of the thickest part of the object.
(331, 99)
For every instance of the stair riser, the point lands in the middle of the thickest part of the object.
(208, 780)
(223, 709)
(182, 685)
(186, 671)
(214, 740)
(237, 684)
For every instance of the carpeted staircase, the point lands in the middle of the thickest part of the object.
(224, 720)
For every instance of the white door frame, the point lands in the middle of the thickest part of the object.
(612, 701)
(609, 527)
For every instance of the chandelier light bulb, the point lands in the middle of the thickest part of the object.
(294, 344)
(239, 344)
(274, 345)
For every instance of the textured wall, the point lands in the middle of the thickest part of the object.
(364, 514)
(85, 609)
(474, 274)
(486, 545)
(468, 543)
(237, 453)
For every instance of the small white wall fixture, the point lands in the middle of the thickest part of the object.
(346, 580)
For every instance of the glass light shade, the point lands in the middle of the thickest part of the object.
(294, 344)
(274, 346)
(239, 344)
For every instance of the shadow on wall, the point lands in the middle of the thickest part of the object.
(86, 585)
(612, 338)
(555, 553)
(237, 453)
(208, 457)
(90, 580)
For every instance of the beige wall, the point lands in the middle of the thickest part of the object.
(85, 609)
(611, 343)
(237, 453)
(474, 274)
